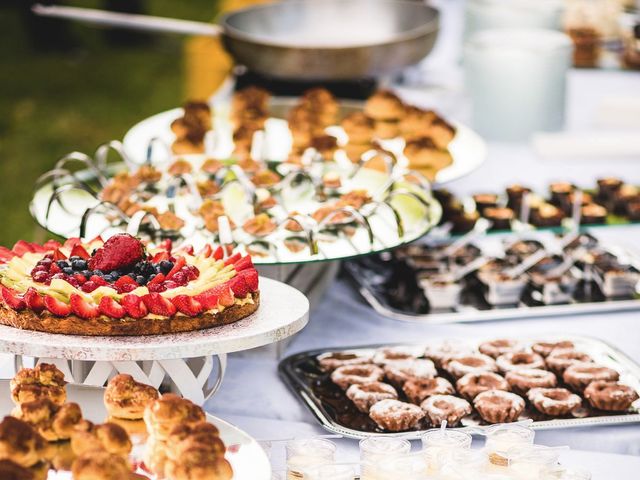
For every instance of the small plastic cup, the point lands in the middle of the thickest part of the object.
(532, 462)
(308, 452)
(375, 449)
(413, 466)
(562, 473)
(461, 463)
(501, 438)
(438, 442)
(334, 471)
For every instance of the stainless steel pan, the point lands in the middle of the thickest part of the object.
(302, 39)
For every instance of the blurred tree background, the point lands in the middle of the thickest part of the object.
(73, 87)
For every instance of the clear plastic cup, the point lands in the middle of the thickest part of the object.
(532, 462)
(502, 438)
(308, 452)
(461, 463)
(375, 449)
(437, 443)
(330, 472)
(562, 473)
(413, 466)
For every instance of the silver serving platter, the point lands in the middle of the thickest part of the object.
(467, 313)
(247, 457)
(600, 351)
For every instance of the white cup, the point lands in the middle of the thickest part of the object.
(517, 81)
(491, 14)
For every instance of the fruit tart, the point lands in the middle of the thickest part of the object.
(123, 287)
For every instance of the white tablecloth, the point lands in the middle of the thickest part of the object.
(252, 387)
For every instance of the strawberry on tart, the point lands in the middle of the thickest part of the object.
(122, 287)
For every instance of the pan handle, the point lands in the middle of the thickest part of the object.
(128, 20)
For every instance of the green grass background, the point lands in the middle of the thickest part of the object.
(55, 102)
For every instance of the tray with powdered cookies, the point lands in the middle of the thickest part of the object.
(406, 389)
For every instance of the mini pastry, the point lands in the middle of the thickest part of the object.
(580, 375)
(418, 389)
(100, 465)
(608, 186)
(12, 471)
(260, 226)
(560, 192)
(384, 355)
(396, 416)
(546, 215)
(328, 362)
(187, 147)
(43, 381)
(386, 129)
(359, 127)
(518, 361)
(265, 178)
(440, 353)
(250, 98)
(610, 396)
(125, 398)
(211, 166)
(415, 121)
(169, 410)
(355, 151)
(349, 375)
(545, 348)
(473, 384)
(54, 423)
(20, 443)
(402, 370)
(365, 395)
(424, 155)
(521, 381)
(515, 194)
(325, 145)
(464, 222)
(198, 463)
(559, 360)
(485, 200)
(107, 437)
(501, 217)
(495, 348)
(61, 455)
(498, 406)
(593, 214)
(155, 456)
(442, 133)
(472, 363)
(554, 402)
(384, 105)
(202, 435)
(439, 408)
(180, 167)
(322, 102)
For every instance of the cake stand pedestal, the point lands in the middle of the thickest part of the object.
(183, 361)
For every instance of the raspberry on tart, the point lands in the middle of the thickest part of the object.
(123, 287)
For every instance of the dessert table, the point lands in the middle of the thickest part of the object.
(342, 318)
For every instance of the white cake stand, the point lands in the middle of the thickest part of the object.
(184, 361)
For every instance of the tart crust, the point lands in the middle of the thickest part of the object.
(127, 326)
